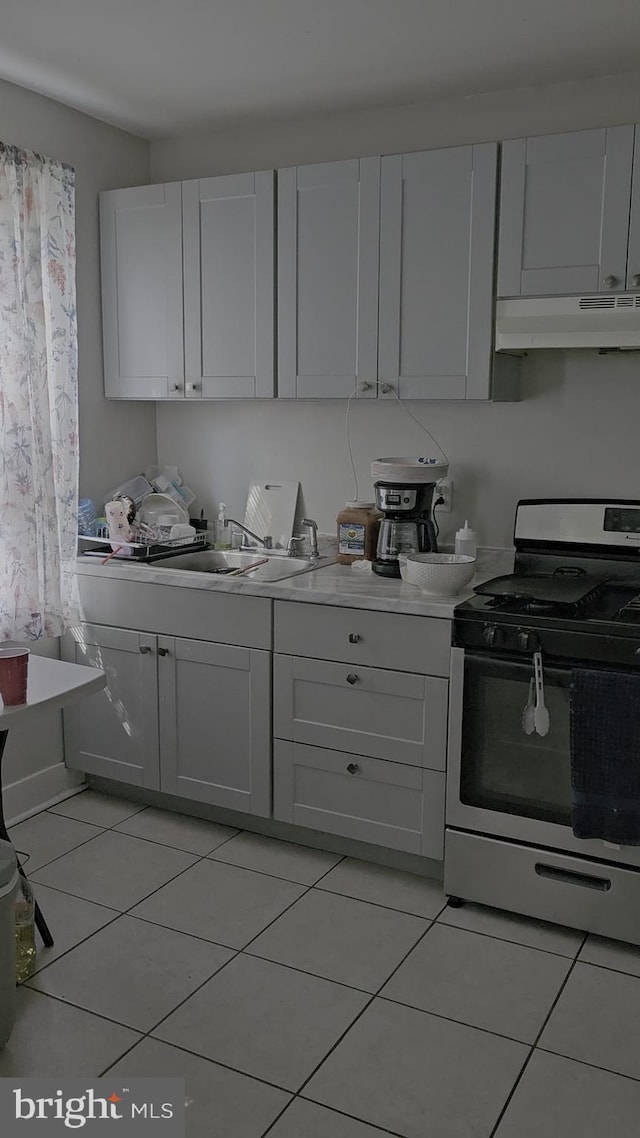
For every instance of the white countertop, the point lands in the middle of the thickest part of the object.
(333, 584)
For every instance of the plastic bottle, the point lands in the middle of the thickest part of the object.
(24, 910)
(466, 541)
(221, 532)
(358, 527)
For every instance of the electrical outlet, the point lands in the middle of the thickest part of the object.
(444, 495)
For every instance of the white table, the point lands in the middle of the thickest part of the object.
(52, 685)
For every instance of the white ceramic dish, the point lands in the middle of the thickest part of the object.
(155, 506)
(440, 574)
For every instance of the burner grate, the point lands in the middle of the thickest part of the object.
(572, 610)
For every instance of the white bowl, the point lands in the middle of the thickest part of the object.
(402, 564)
(441, 574)
(155, 506)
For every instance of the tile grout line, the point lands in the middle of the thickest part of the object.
(374, 995)
(368, 1004)
(298, 1094)
(380, 904)
(236, 953)
(537, 1038)
(507, 940)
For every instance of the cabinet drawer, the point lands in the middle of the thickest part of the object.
(541, 883)
(388, 804)
(357, 636)
(366, 711)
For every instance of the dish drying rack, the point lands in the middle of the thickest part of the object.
(146, 547)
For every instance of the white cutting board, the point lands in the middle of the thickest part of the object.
(271, 509)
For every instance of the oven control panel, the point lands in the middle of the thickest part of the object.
(513, 640)
(510, 638)
(565, 522)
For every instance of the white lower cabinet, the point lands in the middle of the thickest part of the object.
(356, 714)
(187, 717)
(215, 723)
(387, 804)
(114, 733)
(365, 711)
(360, 749)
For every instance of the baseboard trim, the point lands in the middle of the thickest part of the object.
(29, 795)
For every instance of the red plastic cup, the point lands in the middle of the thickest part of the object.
(14, 667)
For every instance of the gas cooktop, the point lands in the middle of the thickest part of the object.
(607, 602)
(575, 589)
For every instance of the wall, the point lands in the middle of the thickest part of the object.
(111, 434)
(574, 431)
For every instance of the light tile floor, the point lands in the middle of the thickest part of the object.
(305, 995)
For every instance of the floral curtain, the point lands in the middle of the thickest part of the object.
(38, 396)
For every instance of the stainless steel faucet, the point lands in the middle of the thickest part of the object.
(292, 542)
(265, 542)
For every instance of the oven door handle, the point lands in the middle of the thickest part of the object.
(570, 877)
(506, 667)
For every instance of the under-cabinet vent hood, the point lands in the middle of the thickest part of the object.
(568, 322)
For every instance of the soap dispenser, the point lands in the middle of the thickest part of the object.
(221, 540)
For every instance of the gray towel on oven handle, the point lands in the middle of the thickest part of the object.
(604, 714)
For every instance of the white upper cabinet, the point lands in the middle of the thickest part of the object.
(633, 258)
(328, 228)
(228, 236)
(141, 255)
(437, 237)
(564, 214)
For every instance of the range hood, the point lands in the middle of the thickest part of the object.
(568, 322)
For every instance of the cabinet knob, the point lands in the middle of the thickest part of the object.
(353, 768)
(635, 280)
(145, 649)
(352, 678)
(163, 651)
(191, 386)
(610, 281)
(354, 638)
(176, 387)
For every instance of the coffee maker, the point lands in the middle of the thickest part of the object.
(404, 490)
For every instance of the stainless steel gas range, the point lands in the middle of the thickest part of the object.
(574, 598)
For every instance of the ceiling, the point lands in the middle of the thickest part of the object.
(162, 67)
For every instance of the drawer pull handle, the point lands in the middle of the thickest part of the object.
(352, 678)
(145, 649)
(163, 651)
(353, 768)
(354, 637)
(586, 880)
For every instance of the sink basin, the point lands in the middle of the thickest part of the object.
(277, 567)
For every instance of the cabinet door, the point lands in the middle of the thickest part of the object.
(229, 286)
(328, 230)
(633, 261)
(215, 723)
(115, 732)
(564, 213)
(141, 256)
(437, 223)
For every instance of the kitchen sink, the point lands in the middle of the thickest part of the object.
(277, 566)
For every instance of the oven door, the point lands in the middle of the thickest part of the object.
(501, 781)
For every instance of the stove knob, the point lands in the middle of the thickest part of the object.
(492, 635)
(528, 641)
